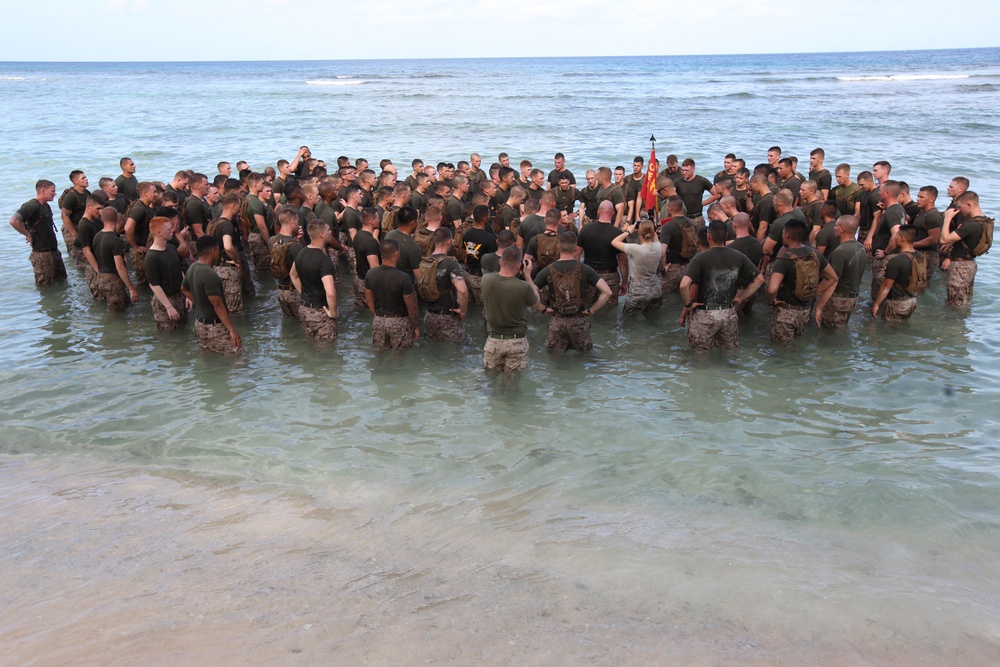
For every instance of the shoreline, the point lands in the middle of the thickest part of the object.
(127, 564)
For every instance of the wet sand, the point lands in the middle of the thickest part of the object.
(126, 565)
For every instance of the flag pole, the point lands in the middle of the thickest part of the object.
(656, 209)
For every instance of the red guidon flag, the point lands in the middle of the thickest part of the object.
(649, 185)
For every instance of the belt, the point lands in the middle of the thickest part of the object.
(794, 307)
(846, 295)
(46, 249)
(506, 336)
(440, 312)
(207, 320)
(718, 306)
(393, 315)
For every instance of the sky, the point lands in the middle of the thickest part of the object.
(172, 30)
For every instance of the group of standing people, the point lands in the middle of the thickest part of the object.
(420, 250)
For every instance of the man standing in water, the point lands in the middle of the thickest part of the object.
(392, 301)
(128, 184)
(203, 287)
(34, 221)
(312, 274)
(968, 240)
(505, 296)
(163, 272)
(800, 274)
(112, 276)
(848, 261)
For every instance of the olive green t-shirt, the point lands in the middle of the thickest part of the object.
(504, 303)
(202, 281)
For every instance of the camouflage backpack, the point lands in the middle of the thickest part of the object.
(918, 274)
(986, 238)
(548, 249)
(567, 294)
(280, 245)
(427, 282)
(246, 220)
(806, 275)
(689, 243)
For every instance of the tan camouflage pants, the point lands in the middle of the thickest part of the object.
(508, 355)
(392, 333)
(289, 301)
(897, 310)
(933, 262)
(48, 266)
(569, 333)
(214, 338)
(68, 239)
(138, 258)
(445, 327)
(670, 280)
(961, 276)
(643, 295)
(878, 274)
(837, 311)
(614, 281)
(334, 256)
(91, 277)
(111, 289)
(713, 328)
(475, 285)
(162, 319)
(260, 254)
(787, 322)
(246, 280)
(317, 324)
(360, 298)
(345, 240)
(231, 287)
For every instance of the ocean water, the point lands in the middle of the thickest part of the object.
(833, 501)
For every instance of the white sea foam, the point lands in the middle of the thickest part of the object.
(13, 78)
(333, 82)
(903, 77)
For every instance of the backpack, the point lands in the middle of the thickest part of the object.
(279, 257)
(689, 243)
(458, 244)
(918, 274)
(248, 223)
(806, 275)
(986, 238)
(389, 219)
(212, 226)
(427, 282)
(566, 290)
(548, 249)
(425, 240)
(62, 198)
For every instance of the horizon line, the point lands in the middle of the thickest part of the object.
(467, 58)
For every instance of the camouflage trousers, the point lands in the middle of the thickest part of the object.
(68, 239)
(447, 327)
(614, 281)
(713, 328)
(110, 288)
(670, 280)
(246, 280)
(837, 311)
(91, 277)
(897, 310)
(475, 284)
(138, 258)
(289, 301)
(317, 324)
(162, 319)
(643, 295)
(260, 254)
(569, 332)
(214, 338)
(878, 274)
(231, 287)
(392, 333)
(961, 276)
(334, 256)
(508, 354)
(352, 263)
(360, 299)
(787, 322)
(48, 266)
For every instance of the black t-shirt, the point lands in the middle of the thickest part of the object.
(612, 193)
(85, 232)
(181, 194)
(37, 219)
(969, 231)
(719, 272)
(588, 197)
(107, 246)
(454, 212)
(364, 245)
(478, 242)
(142, 215)
(898, 269)
(202, 281)
(409, 253)
(822, 178)
(196, 212)
(447, 270)
(351, 220)
(595, 238)
(128, 187)
(763, 211)
(691, 193)
(588, 277)
(225, 228)
(312, 265)
(893, 216)
(566, 199)
(751, 247)
(793, 184)
(554, 177)
(163, 269)
(389, 286)
(672, 237)
(827, 239)
(869, 204)
(632, 189)
(74, 202)
(531, 225)
(927, 221)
